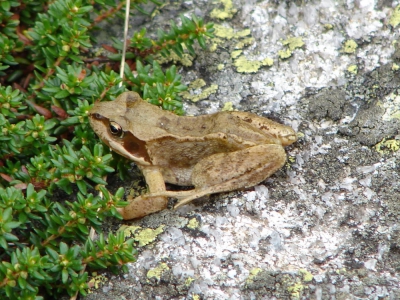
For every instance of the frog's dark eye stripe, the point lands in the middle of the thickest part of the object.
(116, 129)
(97, 116)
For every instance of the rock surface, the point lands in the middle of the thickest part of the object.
(326, 226)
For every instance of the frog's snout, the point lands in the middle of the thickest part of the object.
(289, 137)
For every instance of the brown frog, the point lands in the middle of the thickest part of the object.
(214, 153)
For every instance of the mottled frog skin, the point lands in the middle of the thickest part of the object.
(214, 153)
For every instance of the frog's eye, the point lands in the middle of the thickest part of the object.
(116, 129)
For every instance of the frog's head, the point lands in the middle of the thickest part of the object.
(109, 121)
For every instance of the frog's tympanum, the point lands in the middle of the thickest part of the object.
(214, 153)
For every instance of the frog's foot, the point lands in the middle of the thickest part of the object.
(142, 206)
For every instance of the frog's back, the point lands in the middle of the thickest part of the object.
(215, 125)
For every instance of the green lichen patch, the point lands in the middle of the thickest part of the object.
(395, 67)
(387, 145)
(228, 106)
(268, 62)
(224, 32)
(293, 43)
(189, 281)
(328, 26)
(244, 43)
(341, 271)
(148, 235)
(186, 59)
(295, 290)
(96, 280)
(283, 54)
(307, 276)
(228, 33)
(129, 230)
(244, 65)
(193, 224)
(143, 236)
(290, 45)
(353, 69)
(395, 18)
(350, 46)
(194, 93)
(253, 274)
(243, 33)
(196, 84)
(157, 271)
(236, 53)
(227, 12)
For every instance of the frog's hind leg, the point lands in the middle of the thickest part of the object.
(285, 134)
(224, 172)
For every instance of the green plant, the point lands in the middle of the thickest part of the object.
(49, 82)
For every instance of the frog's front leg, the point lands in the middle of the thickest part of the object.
(142, 206)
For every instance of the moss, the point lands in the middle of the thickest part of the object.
(227, 12)
(395, 18)
(349, 47)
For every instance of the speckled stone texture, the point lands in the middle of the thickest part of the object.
(326, 226)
